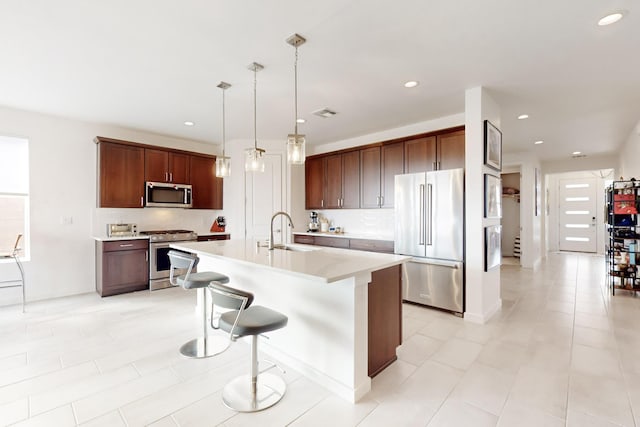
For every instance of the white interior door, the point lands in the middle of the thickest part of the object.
(263, 199)
(577, 215)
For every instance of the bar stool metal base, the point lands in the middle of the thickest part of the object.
(204, 347)
(237, 394)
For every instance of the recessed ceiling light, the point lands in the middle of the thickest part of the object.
(610, 19)
(575, 153)
(539, 142)
(301, 120)
(411, 83)
(188, 123)
(523, 116)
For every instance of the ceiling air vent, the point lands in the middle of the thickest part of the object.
(325, 112)
(578, 156)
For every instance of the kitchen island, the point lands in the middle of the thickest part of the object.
(338, 303)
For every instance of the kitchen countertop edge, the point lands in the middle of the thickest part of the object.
(116, 238)
(285, 261)
(341, 235)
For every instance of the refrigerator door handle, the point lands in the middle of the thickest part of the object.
(422, 217)
(430, 214)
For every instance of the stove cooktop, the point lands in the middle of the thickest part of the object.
(150, 232)
(169, 235)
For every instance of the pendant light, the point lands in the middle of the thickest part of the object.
(296, 142)
(223, 163)
(254, 159)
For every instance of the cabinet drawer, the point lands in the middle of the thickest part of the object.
(372, 245)
(307, 240)
(334, 242)
(125, 245)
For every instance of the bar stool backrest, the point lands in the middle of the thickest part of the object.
(181, 260)
(231, 299)
(17, 248)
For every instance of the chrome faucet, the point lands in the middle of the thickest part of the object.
(271, 245)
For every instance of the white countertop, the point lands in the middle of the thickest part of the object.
(116, 238)
(316, 263)
(342, 235)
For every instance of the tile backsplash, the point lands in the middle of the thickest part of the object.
(377, 223)
(197, 220)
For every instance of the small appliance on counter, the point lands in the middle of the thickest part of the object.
(313, 225)
(218, 225)
(122, 230)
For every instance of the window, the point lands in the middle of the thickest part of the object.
(14, 193)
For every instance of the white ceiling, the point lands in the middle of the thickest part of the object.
(152, 64)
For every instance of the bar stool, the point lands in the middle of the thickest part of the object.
(203, 346)
(259, 390)
(14, 254)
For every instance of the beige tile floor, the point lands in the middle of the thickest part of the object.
(561, 352)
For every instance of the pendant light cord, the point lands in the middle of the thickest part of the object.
(224, 136)
(295, 79)
(255, 107)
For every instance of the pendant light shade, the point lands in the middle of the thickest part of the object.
(254, 157)
(295, 141)
(223, 163)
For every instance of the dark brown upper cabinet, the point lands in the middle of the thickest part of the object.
(342, 188)
(121, 176)
(437, 152)
(314, 183)
(207, 188)
(378, 168)
(166, 166)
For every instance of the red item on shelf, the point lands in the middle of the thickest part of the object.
(624, 208)
(623, 197)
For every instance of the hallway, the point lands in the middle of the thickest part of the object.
(561, 352)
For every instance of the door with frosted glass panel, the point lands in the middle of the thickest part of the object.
(577, 216)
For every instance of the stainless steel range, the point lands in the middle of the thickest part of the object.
(159, 264)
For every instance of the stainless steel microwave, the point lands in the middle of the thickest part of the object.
(167, 195)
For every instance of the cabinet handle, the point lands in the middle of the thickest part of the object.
(435, 166)
(322, 203)
(338, 202)
(381, 201)
(166, 176)
(126, 246)
(141, 201)
(146, 257)
(170, 176)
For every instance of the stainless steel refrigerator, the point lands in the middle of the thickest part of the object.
(429, 226)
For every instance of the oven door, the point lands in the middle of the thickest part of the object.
(159, 265)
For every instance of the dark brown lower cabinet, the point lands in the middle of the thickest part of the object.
(385, 318)
(122, 266)
(209, 237)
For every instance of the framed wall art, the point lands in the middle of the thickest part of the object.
(492, 250)
(492, 146)
(492, 196)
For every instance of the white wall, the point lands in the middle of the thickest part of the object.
(629, 155)
(399, 132)
(62, 161)
(482, 295)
